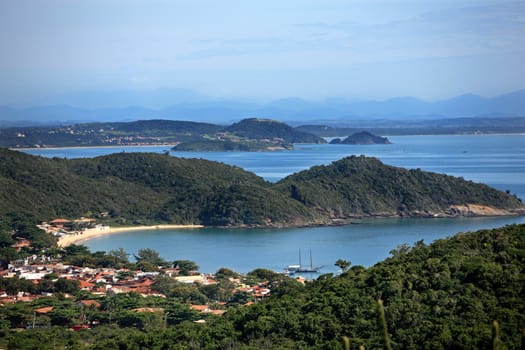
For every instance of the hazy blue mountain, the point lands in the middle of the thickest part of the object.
(185, 105)
(155, 99)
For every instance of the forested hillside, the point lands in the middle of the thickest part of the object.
(442, 296)
(363, 186)
(140, 188)
(445, 295)
(361, 138)
(256, 128)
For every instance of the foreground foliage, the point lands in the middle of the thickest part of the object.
(440, 296)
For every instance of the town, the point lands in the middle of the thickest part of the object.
(43, 285)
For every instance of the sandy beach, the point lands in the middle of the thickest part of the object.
(74, 238)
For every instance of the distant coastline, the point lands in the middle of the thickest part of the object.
(75, 238)
(88, 147)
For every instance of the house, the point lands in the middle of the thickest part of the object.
(60, 223)
(21, 243)
(85, 285)
(85, 223)
(205, 309)
(190, 279)
(89, 303)
(44, 310)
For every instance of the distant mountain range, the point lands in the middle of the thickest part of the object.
(196, 108)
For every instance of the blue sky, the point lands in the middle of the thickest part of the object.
(312, 49)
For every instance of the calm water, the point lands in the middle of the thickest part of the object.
(497, 160)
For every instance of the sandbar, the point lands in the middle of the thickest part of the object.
(73, 238)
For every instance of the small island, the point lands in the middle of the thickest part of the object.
(231, 146)
(362, 138)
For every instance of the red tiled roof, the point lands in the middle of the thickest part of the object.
(86, 284)
(44, 310)
(59, 221)
(90, 303)
(200, 308)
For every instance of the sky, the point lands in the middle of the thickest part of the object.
(262, 50)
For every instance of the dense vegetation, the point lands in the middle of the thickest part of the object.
(440, 296)
(102, 134)
(363, 186)
(141, 188)
(255, 128)
(152, 132)
(230, 146)
(361, 138)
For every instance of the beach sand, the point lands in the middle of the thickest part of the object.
(74, 238)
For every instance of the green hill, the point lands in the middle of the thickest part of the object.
(362, 186)
(439, 296)
(141, 188)
(230, 146)
(255, 128)
(362, 138)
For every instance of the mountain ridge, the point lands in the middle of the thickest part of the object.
(286, 109)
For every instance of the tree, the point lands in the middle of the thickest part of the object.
(151, 256)
(6, 239)
(63, 285)
(186, 266)
(260, 275)
(344, 265)
(120, 254)
(225, 273)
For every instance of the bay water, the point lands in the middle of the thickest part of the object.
(497, 160)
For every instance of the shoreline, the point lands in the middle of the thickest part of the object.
(175, 143)
(88, 147)
(85, 235)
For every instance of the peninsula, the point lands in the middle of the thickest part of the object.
(144, 189)
(252, 134)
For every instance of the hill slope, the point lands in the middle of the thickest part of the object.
(361, 186)
(254, 128)
(441, 296)
(362, 138)
(140, 188)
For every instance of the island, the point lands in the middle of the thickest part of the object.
(362, 138)
(231, 146)
(251, 135)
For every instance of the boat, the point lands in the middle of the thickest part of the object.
(292, 269)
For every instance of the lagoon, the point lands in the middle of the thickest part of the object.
(497, 160)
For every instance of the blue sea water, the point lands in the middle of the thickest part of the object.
(497, 160)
